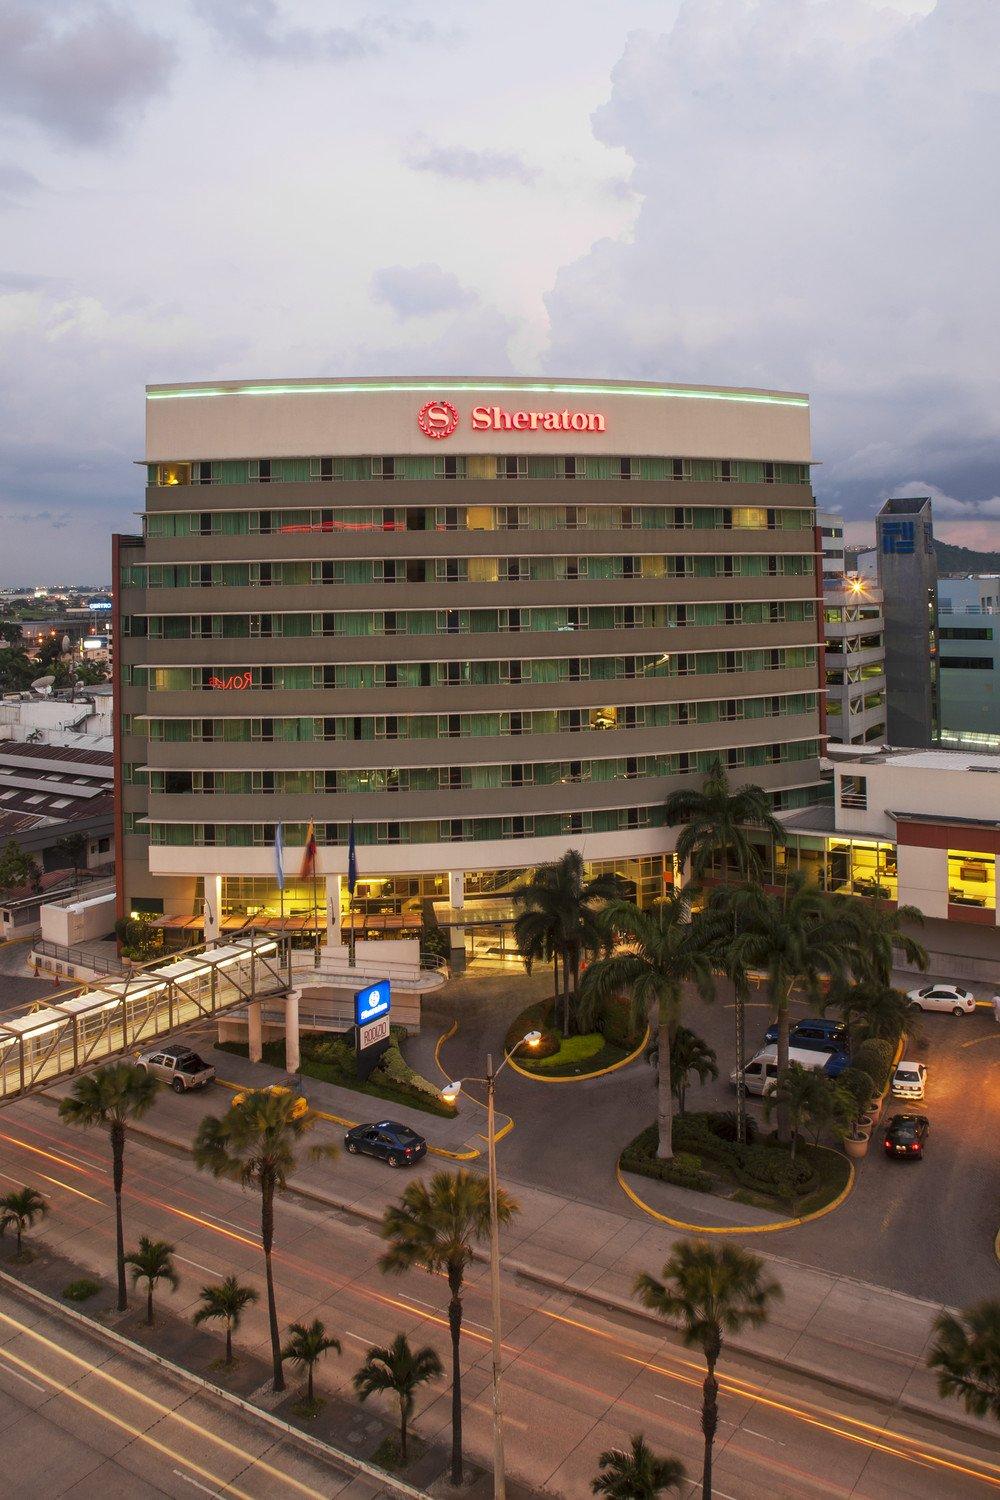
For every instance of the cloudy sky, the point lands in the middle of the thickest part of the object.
(790, 193)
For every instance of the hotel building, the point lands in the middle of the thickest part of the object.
(483, 620)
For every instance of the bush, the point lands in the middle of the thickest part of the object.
(763, 1167)
(684, 1170)
(572, 1049)
(859, 1086)
(723, 1124)
(614, 1022)
(537, 1017)
(874, 1056)
(79, 1291)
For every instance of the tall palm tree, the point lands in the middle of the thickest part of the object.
(881, 938)
(639, 1474)
(808, 1098)
(225, 1302)
(435, 1225)
(253, 1144)
(558, 919)
(717, 823)
(308, 1343)
(112, 1097)
(399, 1369)
(152, 1262)
(689, 1053)
(966, 1355)
(884, 1011)
(798, 936)
(710, 1291)
(19, 1210)
(659, 955)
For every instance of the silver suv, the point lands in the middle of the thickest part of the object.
(178, 1066)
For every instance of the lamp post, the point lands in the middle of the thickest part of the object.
(451, 1092)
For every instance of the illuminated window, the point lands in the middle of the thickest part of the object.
(972, 879)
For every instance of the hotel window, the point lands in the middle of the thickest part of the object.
(769, 473)
(628, 468)
(972, 879)
(383, 468)
(569, 468)
(512, 468)
(259, 470)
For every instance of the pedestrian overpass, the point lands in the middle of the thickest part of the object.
(83, 1026)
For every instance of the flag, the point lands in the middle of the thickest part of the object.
(352, 861)
(308, 870)
(279, 856)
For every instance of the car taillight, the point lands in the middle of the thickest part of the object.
(409, 1151)
(915, 1146)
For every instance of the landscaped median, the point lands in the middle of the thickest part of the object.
(559, 1059)
(761, 1174)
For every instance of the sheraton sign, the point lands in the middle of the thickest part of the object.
(439, 419)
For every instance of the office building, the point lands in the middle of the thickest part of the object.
(969, 647)
(907, 572)
(483, 620)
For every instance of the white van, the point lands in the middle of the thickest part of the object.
(759, 1075)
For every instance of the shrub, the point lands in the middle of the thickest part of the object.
(80, 1290)
(874, 1056)
(684, 1170)
(723, 1124)
(859, 1086)
(615, 1024)
(572, 1049)
(537, 1017)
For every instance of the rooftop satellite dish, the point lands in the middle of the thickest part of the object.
(43, 684)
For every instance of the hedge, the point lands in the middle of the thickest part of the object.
(874, 1056)
(684, 1170)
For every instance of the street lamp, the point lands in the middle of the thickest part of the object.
(451, 1092)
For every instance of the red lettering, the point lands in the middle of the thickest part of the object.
(520, 420)
(480, 418)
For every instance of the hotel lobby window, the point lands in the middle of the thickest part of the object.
(972, 879)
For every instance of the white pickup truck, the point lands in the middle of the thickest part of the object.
(178, 1066)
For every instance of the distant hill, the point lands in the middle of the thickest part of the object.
(951, 560)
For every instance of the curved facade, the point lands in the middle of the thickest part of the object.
(484, 620)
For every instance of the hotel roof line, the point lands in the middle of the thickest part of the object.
(355, 386)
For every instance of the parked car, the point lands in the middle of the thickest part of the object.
(810, 1029)
(178, 1066)
(943, 997)
(905, 1136)
(301, 1103)
(909, 1080)
(760, 1073)
(391, 1142)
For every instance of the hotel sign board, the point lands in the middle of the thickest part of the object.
(372, 1006)
(439, 419)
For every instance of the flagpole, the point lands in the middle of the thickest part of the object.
(352, 878)
(315, 912)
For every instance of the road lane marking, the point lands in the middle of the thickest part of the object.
(763, 1437)
(684, 1406)
(210, 1270)
(187, 1478)
(15, 1376)
(76, 1191)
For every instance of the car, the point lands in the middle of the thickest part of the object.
(906, 1135)
(391, 1142)
(943, 997)
(909, 1080)
(760, 1073)
(179, 1066)
(810, 1029)
(301, 1103)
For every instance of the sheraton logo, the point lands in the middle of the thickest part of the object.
(439, 419)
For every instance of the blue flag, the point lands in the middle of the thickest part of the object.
(352, 861)
(279, 850)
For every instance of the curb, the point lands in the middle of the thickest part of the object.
(347, 1460)
(818, 1213)
(583, 1077)
(527, 1272)
(504, 1129)
(996, 1245)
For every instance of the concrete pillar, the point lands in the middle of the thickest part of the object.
(254, 1032)
(333, 886)
(456, 899)
(213, 908)
(292, 1058)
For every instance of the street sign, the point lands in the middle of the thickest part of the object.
(372, 1002)
(374, 1032)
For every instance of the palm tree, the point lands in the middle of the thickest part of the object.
(436, 1225)
(796, 937)
(881, 937)
(402, 1370)
(558, 919)
(710, 1291)
(966, 1355)
(808, 1097)
(152, 1262)
(689, 1053)
(883, 1011)
(306, 1345)
(639, 1474)
(226, 1301)
(112, 1097)
(716, 823)
(661, 954)
(253, 1144)
(19, 1210)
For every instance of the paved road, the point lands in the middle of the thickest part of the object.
(79, 1418)
(17, 986)
(583, 1378)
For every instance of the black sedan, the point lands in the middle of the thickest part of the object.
(906, 1135)
(392, 1142)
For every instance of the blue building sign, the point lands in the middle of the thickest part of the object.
(372, 1003)
(897, 537)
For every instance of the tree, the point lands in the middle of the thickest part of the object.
(689, 1053)
(797, 937)
(399, 1369)
(717, 822)
(710, 1291)
(73, 847)
(558, 920)
(225, 1302)
(883, 1011)
(966, 1355)
(16, 868)
(19, 1210)
(138, 938)
(307, 1344)
(253, 1144)
(10, 633)
(17, 672)
(880, 937)
(661, 954)
(639, 1474)
(112, 1097)
(803, 1093)
(152, 1262)
(435, 1225)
